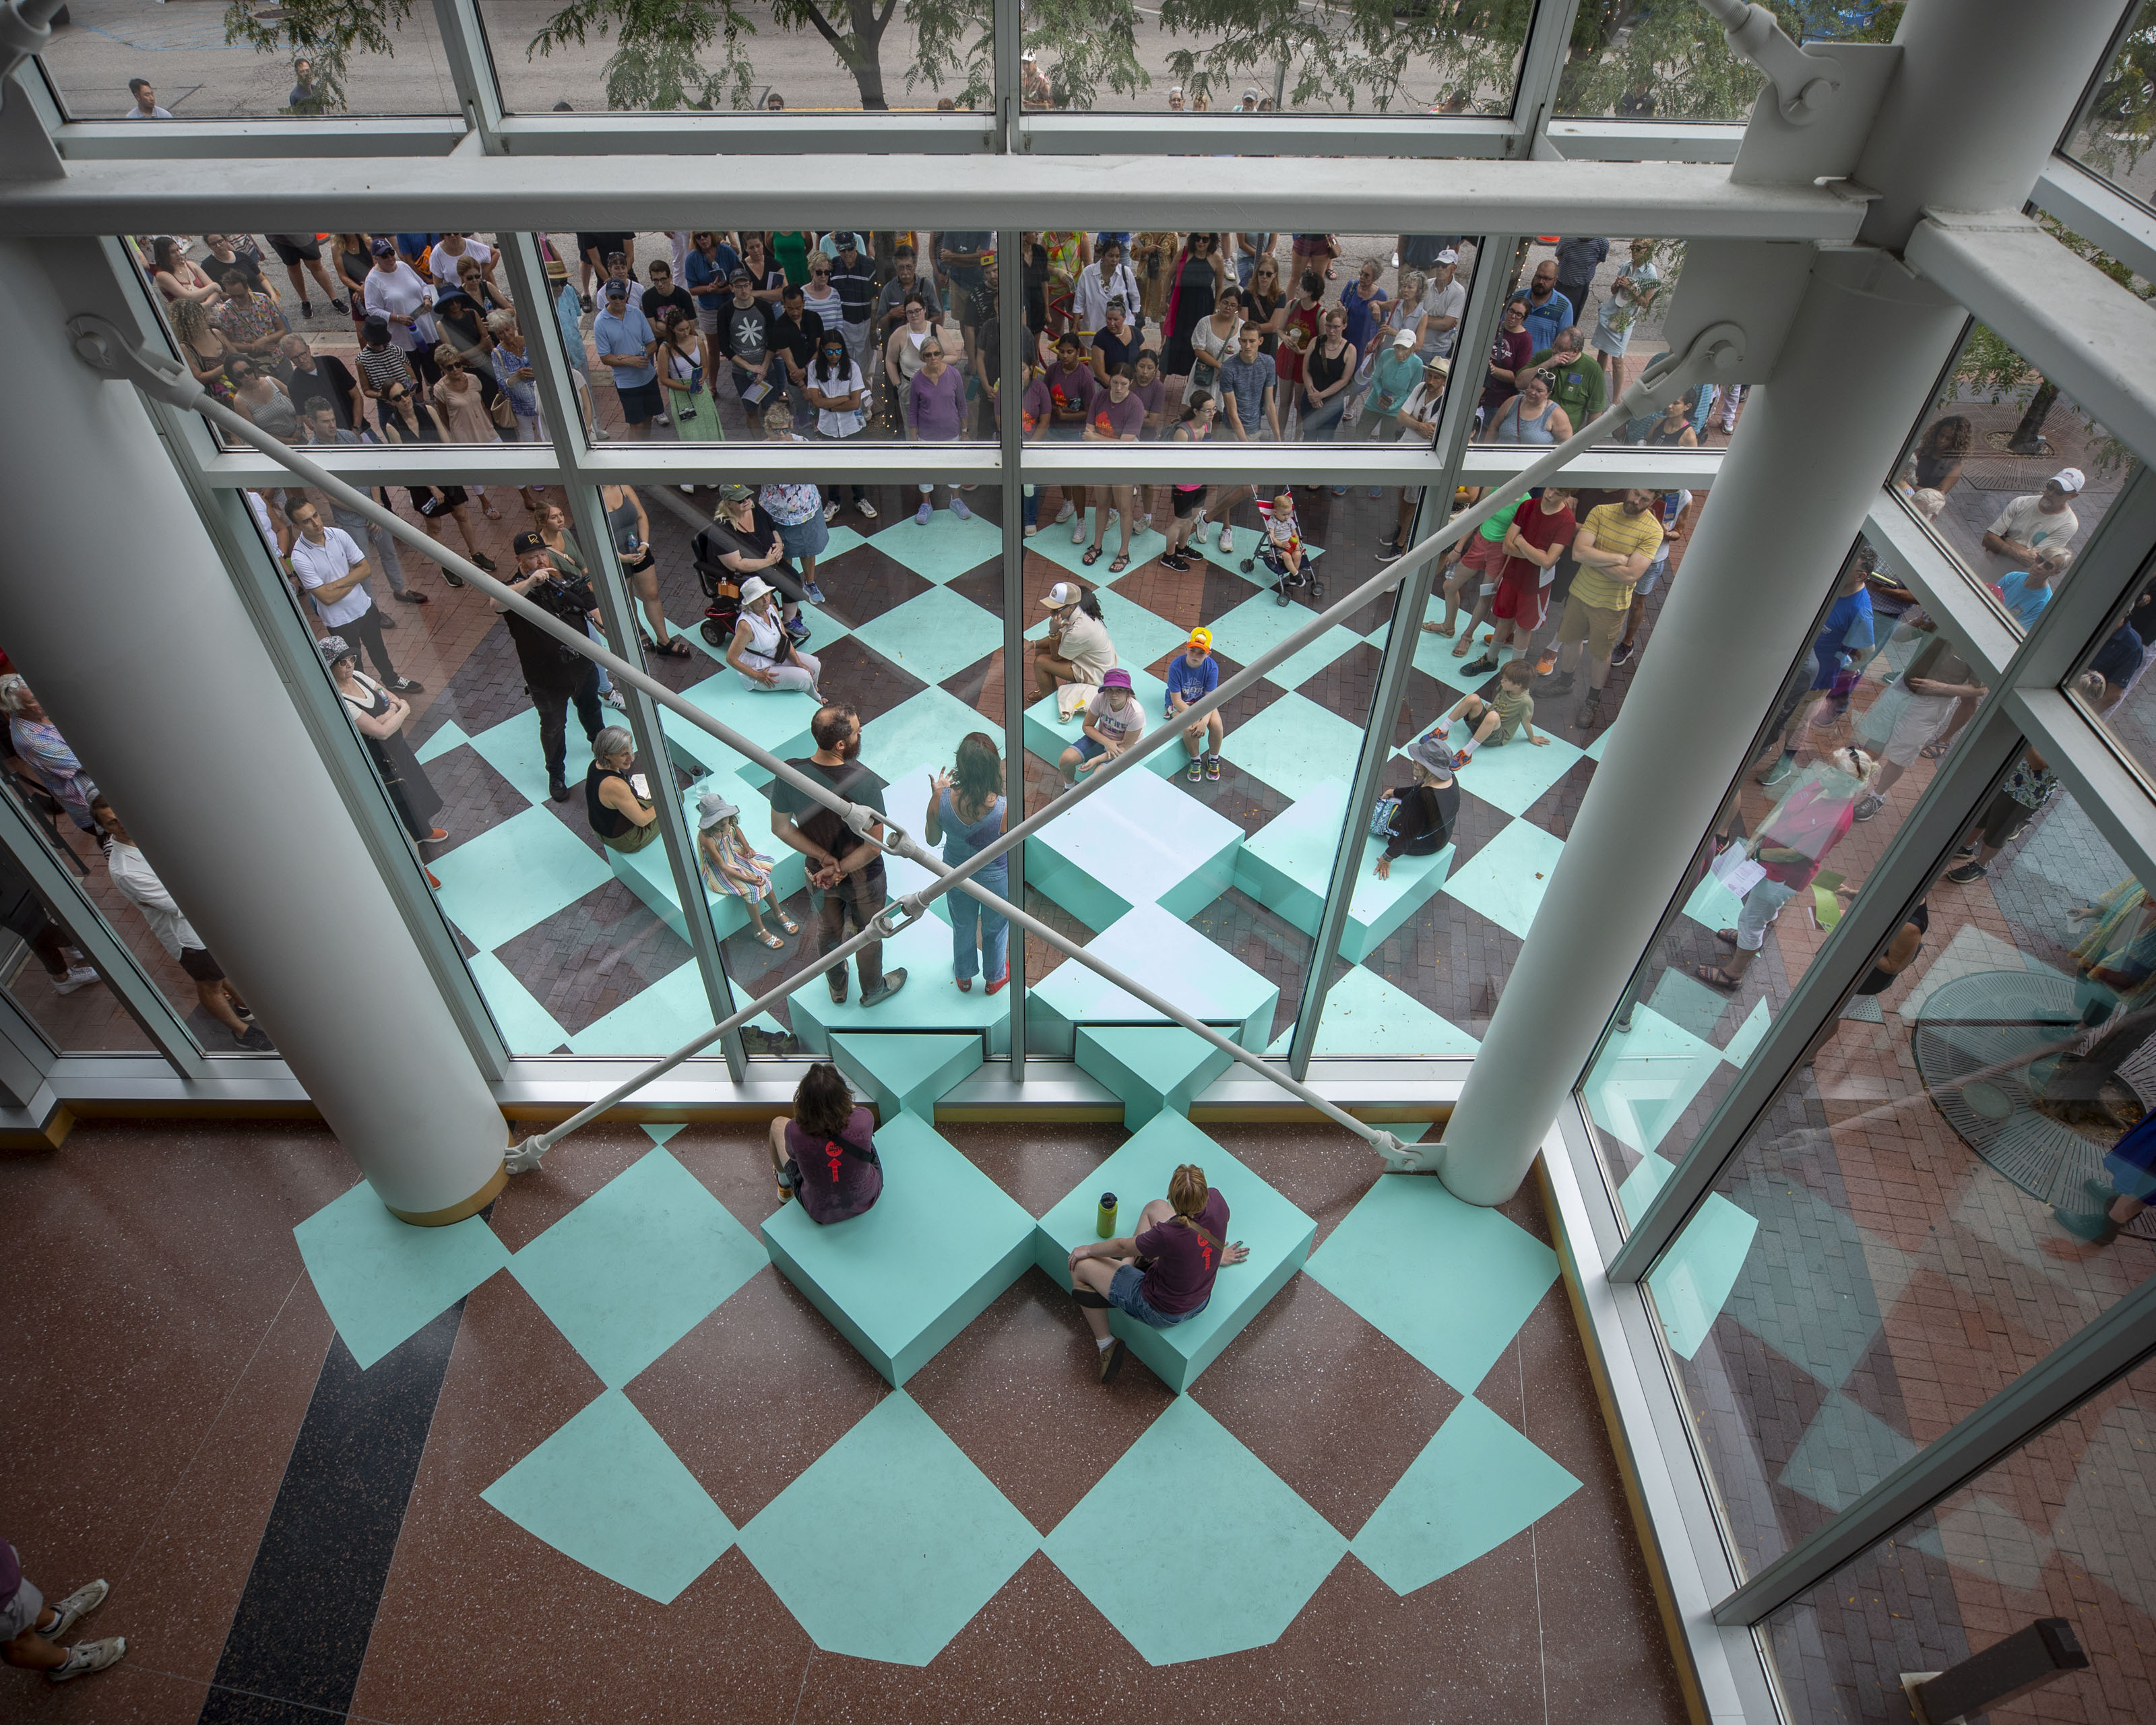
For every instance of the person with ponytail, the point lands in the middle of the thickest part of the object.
(1162, 1274)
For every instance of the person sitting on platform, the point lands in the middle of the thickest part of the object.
(1422, 824)
(825, 1155)
(1193, 675)
(1497, 721)
(1113, 721)
(622, 816)
(1162, 1273)
(731, 865)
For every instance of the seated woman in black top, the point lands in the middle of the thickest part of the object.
(1422, 826)
(622, 819)
(825, 1156)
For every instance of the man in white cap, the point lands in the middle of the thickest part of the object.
(2045, 522)
(1444, 304)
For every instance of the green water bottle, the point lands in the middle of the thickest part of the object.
(1105, 1223)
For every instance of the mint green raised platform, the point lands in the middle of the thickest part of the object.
(903, 1279)
(1285, 865)
(929, 1001)
(1277, 1233)
(1150, 1069)
(1170, 957)
(777, 719)
(645, 873)
(906, 1074)
(1047, 735)
(1136, 840)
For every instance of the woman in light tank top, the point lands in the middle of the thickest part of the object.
(1531, 417)
(966, 811)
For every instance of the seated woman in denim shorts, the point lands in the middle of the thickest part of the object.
(1163, 1274)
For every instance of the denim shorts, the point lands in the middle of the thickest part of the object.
(1123, 1291)
(805, 539)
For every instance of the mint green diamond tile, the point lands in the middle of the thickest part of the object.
(1595, 750)
(774, 719)
(1151, 947)
(824, 629)
(637, 1266)
(1151, 1068)
(1688, 1003)
(890, 1541)
(606, 1491)
(1261, 623)
(1295, 746)
(527, 1026)
(1246, 552)
(1451, 1282)
(663, 1016)
(1712, 905)
(929, 1001)
(383, 1280)
(1753, 1030)
(1693, 1279)
(1365, 1014)
(1646, 1077)
(513, 750)
(1506, 878)
(1845, 1451)
(1433, 655)
(1512, 776)
(1141, 637)
(922, 729)
(450, 736)
(944, 550)
(933, 635)
(1476, 1484)
(515, 875)
(1133, 1547)
(905, 1073)
(1136, 840)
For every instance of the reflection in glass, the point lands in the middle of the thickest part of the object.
(2112, 136)
(2062, 1527)
(1948, 1188)
(1674, 63)
(2110, 685)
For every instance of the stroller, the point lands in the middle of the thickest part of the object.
(722, 593)
(1285, 583)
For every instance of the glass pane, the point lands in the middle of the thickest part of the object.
(278, 325)
(1929, 1206)
(2111, 137)
(194, 67)
(2110, 684)
(2013, 475)
(1274, 59)
(47, 977)
(906, 636)
(2062, 1527)
(1673, 63)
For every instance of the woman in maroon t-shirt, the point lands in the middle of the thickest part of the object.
(825, 1155)
(1162, 1273)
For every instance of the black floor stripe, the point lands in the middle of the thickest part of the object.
(297, 1641)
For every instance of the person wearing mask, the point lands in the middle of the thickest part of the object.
(1161, 1274)
(328, 563)
(847, 885)
(1420, 823)
(966, 815)
(825, 1155)
(380, 718)
(555, 674)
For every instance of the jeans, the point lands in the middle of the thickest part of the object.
(552, 703)
(1320, 423)
(592, 629)
(850, 904)
(1032, 505)
(968, 914)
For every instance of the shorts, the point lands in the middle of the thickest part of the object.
(451, 497)
(1653, 578)
(1507, 730)
(1591, 623)
(198, 964)
(1123, 1294)
(2004, 820)
(639, 401)
(23, 1612)
(1088, 749)
(293, 251)
(1922, 719)
(1762, 904)
(807, 539)
(1188, 503)
(1525, 603)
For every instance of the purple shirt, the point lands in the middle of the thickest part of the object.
(939, 405)
(1184, 1262)
(1115, 420)
(833, 1181)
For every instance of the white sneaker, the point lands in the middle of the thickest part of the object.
(613, 699)
(830, 513)
(1069, 510)
(86, 1657)
(76, 1606)
(1145, 522)
(1227, 541)
(1032, 528)
(1203, 531)
(79, 976)
(867, 509)
(687, 490)
(1077, 531)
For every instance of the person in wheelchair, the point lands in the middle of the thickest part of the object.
(1281, 549)
(743, 541)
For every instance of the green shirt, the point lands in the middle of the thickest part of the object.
(1580, 390)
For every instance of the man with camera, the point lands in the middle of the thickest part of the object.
(555, 674)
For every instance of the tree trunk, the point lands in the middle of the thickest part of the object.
(867, 65)
(2028, 438)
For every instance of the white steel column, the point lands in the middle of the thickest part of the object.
(1868, 342)
(117, 607)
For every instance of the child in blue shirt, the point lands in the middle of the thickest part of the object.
(2026, 591)
(1193, 675)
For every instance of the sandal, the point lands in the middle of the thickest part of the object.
(1119, 564)
(1438, 629)
(1459, 648)
(1715, 977)
(673, 647)
(769, 939)
(1934, 750)
(1093, 555)
(491, 513)
(787, 922)
(1728, 936)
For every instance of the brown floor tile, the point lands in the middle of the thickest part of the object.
(1038, 1165)
(1322, 1170)
(133, 1692)
(573, 1170)
(734, 1164)
(755, 1392)
(1017, 1391)
(1326, 1401)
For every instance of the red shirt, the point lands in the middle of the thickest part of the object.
(1542, 531)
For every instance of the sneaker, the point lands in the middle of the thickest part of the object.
(1546, 661)
(387, 621)
(1377, 492)
(1480, 668)
(411, 597)
(796, 628)
(585, 300)
(1145, 522)
(437, 836)
(1459, 759)
(1065, 514)
(661, 418)
(1078, 532)
(1032, 528)
(1968, 875)
(1197, 770)
(253, 1041)
(306, 308)
(1590, 713)
(86, 1657)
(613, 699)
(1203, 534)
(1111, 1359)
(409, 685)
(1176, 561)
(831, 512)
(557, 789)
(812, 593)
(922, 514)
(868, 510)
(838, 986)
(893, 981)
(339, 306)
(959, 508)
(76, 1606)
(1621, 653)
(1869, 805)
(483, 561)
(1226, 540)
(1561, 684)
(1783, 767)
(79, 976)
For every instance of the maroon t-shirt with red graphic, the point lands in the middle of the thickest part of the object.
(834, 1180)
(1184, 1262)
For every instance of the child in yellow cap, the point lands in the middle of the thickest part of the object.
(1193, 675)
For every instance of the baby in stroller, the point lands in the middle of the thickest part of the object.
(1281, 549)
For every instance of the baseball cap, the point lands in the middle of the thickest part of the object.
(616, 288)
(713, 810)
(528, 541)
(1064, 592)
(742, 275)
(1431, 754)
(383, 248)
(1405, 338)
(1202, 638)
(847, 242)
(1252, 93)
(735, 493)
(1117, 679)
(2069, 479)
(333, 648)
(1448, 256)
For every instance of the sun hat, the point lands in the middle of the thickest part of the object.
(754, 588)
(333, 648)
(716, 809)
(1116, 678)
(1064, 592)
(1431, 754)
(1202, 638)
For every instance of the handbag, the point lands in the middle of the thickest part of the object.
(1384, 815)
(1071, 699)
(503, 415)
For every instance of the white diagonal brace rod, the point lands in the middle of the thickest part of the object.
(101, 345)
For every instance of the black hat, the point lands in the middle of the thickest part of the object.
(528, 542)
